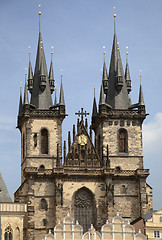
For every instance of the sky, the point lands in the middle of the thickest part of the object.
(78, 30)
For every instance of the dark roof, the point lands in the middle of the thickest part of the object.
(41, 99)
(117, 99)
(149, 215)
(4, 195)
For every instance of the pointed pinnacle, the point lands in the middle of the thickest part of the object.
(94, 111)
(102, 98)
(104, 76)
(51, 75)
(55, 103)
(141, 98)
(30, 72)
(20, 103)
(61, 100)
(127, 73)
(26, 100)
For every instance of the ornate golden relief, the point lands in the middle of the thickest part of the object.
(82, 140)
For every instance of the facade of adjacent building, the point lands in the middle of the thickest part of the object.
(150, 224)
(91, 179)
(117, 229)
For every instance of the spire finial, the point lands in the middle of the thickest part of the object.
(114, 21)
(61, 74)
(126, 54)
(26, 101)
(140, 77)
(51, 53)
(25, 73)
(29, 53)
(39, 18)
(20, 88)
(104, 52)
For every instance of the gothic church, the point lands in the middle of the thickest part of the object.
(91, 179)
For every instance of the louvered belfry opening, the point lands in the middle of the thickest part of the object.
(44, 141)
(84, 208)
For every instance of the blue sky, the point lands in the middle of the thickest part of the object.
(78, 29)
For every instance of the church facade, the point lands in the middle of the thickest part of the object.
(91, 179)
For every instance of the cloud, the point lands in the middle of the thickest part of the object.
(152, 133)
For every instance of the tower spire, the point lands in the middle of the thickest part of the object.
(39, 18)
(41, 92)
(117, 95)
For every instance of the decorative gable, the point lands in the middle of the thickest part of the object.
(82, 152)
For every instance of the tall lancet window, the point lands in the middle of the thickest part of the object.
(8, 234)
(84, 208)
(44, 141)
(123, 141)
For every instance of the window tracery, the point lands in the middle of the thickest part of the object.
(84, 209)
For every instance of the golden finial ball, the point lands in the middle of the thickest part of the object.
(127, 53)
(140, 76)
(39, 13)
(51, 52)
(114, 15)
(61, 74)
(29, 53)
(104, 53)
(25, 73)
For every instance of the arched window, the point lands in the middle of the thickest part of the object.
(123, 141)
(8, 233)
(44, 222)
(84, 208)
(118, 168)
(44, 204)
(44, 141)
(123, 189)
(42, 167)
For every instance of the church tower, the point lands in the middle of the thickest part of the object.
(40, 125)
(118, 139)
(91, 181)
